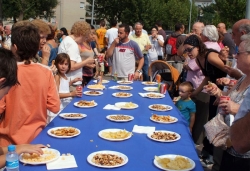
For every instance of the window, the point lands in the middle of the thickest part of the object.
(82, 5)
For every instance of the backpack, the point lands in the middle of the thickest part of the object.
(171, 46)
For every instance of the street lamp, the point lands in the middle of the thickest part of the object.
(92, 14)
(190, 16)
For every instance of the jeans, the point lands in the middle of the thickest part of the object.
(145, 68)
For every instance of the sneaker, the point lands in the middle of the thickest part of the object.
(108, 74)
(208, 162)
(203, 164)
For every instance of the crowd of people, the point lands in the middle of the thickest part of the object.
(34, 56)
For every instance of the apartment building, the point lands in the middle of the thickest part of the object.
(69, 11)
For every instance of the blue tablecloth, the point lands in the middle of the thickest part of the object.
(139, 149)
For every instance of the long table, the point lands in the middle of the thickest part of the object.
(139, 149)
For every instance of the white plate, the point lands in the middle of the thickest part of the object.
(121, 105)
(95, 88)
(75, 104)
(150, 89)
(65, 117)
(77, 83)
(170, 107)
(114, 94)
(130, 88)
(123, 156)
(131, 118)
(161, 95)
(125, 82)
(53, 135)
(165, 122)
(172, 156)
(148, 83)
(113, 130)
(44, 155)
(103, 81)
(86, 93)
(151, 133)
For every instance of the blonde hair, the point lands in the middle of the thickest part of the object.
(42, 26)
(80, 28)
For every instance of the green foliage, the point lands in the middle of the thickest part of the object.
(24, 9)
(230, 11)
(169, 12)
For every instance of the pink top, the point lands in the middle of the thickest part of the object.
(221, 45)
(213, 45)
(194, 75)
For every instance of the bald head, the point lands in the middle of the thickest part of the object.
(197, 28)
(221, 27)
(240, 28)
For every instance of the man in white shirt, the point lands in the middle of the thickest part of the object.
(110, 36)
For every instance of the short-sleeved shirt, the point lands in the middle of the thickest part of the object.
(69, 46)
(156, 46)
(142, 41)
(163, 33)
(111, 34)
(244, 107)
(186, 108)
(124, 57)
(228, 41)
(101, 32)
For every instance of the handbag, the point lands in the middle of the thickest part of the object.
(217, 131)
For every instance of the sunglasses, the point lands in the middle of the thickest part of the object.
(189, 49)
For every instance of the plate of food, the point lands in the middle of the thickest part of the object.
(49, 155)
(120, 118)
(126, 105)
(93, 93)
(107, 159)
(172, 162)
(72, 115)
(122, 94)
(121, 87)
(85, 104)
(149, 83)
(125, 82)
(160, 107)
(103, 81)
(64, 132)
(115, 134)
(96, 87)
(154, 95)
(166, 119)
(164, 136)
(151, 89)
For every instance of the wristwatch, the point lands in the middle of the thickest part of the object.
(140, 71)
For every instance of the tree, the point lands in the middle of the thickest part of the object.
(24, 9)
(148, 11)
(226, 11)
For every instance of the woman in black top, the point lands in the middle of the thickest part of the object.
(212, 68)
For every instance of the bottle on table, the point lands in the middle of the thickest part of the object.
(12, 161)
(115, 76)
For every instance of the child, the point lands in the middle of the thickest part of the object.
(63, 66)
(185, 104)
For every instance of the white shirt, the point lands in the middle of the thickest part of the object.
(111, 34)
(155, 45)
(69, 46)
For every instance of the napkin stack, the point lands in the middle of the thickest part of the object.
(143, 129)
(63, 162)
(142, 94)
(111, 107)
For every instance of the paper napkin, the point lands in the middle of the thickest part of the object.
(63, 162)
(113, 87)
(143, 94)
(143, 129)
(111, 107)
